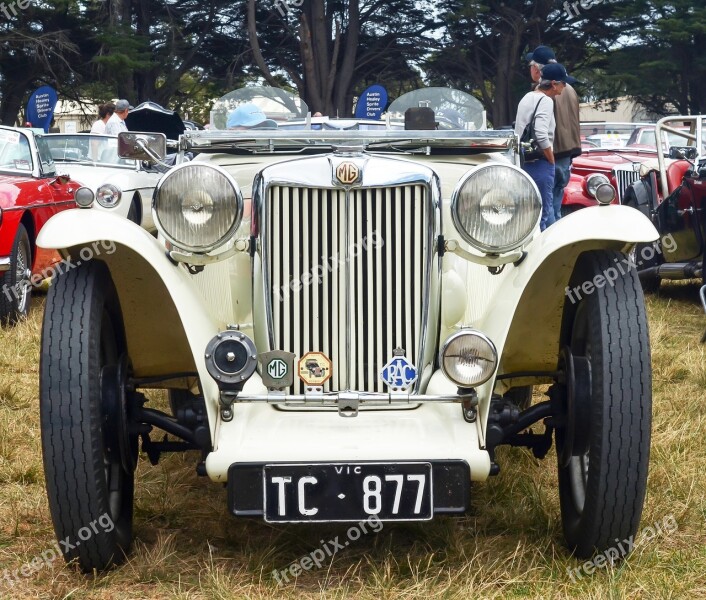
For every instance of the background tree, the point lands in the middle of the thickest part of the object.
(328, 50)
(663, 67)
(485, 41)
(35, 49)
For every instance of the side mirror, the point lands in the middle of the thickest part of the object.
(142, 146)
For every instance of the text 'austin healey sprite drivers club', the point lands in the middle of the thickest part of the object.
(348, 316)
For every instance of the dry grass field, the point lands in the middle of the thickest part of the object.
(510, 546)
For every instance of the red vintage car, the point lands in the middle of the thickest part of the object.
(30, 193)
(621, 166)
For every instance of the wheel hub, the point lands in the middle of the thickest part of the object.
(573, 436)
(116, 414)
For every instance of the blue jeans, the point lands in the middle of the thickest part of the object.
(542, 171)
(561, 179)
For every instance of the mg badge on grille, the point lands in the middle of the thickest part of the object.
(399, 372)
(277, 369)
(314, 368)
(347, 172)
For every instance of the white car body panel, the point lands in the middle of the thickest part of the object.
(169, 331)
(131, 182)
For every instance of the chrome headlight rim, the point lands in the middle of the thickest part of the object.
(463, 333)
(115, 194)
(456, 219)
(593, 181)
(225, 238)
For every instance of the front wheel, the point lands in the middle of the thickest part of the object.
(16, 292)
(89, 454)
(604, 443)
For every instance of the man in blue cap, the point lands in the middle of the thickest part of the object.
(249, 116)
(567, 138)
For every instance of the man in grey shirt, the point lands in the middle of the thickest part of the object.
(567, 142)
(537, 109)
(116, 123)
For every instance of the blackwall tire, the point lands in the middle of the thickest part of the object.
(602, 491)
(82, 338)
(15, 284)
(650, 283)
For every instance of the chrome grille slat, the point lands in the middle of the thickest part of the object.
(624, 178)
(382, 285)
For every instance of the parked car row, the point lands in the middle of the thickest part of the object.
(666, 181)
(41, 175)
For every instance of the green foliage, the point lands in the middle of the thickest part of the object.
(183, 53)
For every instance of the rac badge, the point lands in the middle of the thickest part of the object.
(314, 368)
(399, 372)
(347, 172)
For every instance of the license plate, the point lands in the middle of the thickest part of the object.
(348, 492)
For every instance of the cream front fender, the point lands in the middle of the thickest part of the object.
(524, 313)
(167, 322)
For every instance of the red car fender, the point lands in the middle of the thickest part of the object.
(575, 194)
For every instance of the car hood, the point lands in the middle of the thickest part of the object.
(92, 176)
(594, 162)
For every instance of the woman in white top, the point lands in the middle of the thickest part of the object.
(105, 111)
(540, 105)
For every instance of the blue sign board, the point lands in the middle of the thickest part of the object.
(40, 108)
(371, 103)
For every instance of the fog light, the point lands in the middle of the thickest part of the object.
(84, 197)
(468, 358)
(231, 358)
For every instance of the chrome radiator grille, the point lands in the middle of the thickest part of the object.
(623, 179)
(348, 274)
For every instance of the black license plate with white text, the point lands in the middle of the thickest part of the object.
(348, 492)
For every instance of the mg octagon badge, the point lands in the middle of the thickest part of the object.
(347, 172)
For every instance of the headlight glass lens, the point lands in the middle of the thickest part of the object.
(593, 181)
(198, 207)
(605, 193)
(496, 207)
(468, 358)
(84, 197)
(108, 195)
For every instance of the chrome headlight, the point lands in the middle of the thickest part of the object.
(197, 207)
(108, 195)
(495, 208)
(468, 358)
(599, 187)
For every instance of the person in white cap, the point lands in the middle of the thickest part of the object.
(116, 123)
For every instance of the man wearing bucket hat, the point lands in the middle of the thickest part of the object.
(536, 109)
(249, 116)
(567, 138)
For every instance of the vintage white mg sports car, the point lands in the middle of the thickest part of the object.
(349, 318)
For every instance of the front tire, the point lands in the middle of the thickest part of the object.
(88, 484)
(16, 293)
(602, 482)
